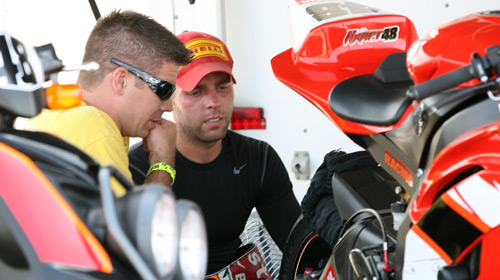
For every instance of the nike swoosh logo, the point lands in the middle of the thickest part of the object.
(236, 171)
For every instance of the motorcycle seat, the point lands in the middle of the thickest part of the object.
(374, 99)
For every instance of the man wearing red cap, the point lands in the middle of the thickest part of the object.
(226, 173)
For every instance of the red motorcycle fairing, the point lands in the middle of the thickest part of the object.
(475, 149)
(468, 211)
(40, 201)
(438, 52)
(491, 246)
(339, 47)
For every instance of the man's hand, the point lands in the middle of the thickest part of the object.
(160, 143)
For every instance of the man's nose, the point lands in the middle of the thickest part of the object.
(213, 98)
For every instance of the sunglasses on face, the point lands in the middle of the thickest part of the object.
(162, 88)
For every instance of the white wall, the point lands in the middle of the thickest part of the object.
(255, 31)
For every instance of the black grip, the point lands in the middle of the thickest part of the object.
(444, 82)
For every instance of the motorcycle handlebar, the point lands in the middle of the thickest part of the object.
(476, 69)
(441, 83)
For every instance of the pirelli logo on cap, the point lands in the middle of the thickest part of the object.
(204, 47)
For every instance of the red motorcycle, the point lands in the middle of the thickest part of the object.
(422, 200)
(59, 218)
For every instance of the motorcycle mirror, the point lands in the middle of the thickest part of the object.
(50, 62)
(362, 266)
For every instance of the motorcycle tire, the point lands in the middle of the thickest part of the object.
(304, 249)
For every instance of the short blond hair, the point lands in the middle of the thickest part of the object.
(131, 37)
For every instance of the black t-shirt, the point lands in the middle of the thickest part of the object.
(247, 173)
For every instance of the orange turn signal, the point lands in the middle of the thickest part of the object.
(63, 96)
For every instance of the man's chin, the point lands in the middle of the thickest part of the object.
(214, 136)
(144, 133)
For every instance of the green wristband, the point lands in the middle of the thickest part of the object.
(163, 167)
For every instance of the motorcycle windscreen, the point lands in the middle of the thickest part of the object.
(56, 233)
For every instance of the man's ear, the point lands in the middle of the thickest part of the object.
(119, 80)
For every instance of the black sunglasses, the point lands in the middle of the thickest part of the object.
(162, 88)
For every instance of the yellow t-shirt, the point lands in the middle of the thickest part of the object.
(92, 131)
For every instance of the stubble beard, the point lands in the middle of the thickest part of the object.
(196, 135)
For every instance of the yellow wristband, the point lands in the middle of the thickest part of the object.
(164, 167)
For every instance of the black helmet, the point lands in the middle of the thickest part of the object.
(21, 78)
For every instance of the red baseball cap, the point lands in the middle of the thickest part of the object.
(210, 54)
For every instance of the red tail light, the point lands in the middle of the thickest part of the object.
(248, 118)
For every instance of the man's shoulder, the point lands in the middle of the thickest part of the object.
(87, 113)
(74, 121)
(248, 147)
(240, 140)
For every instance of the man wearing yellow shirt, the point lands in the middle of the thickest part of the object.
(126, 97)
